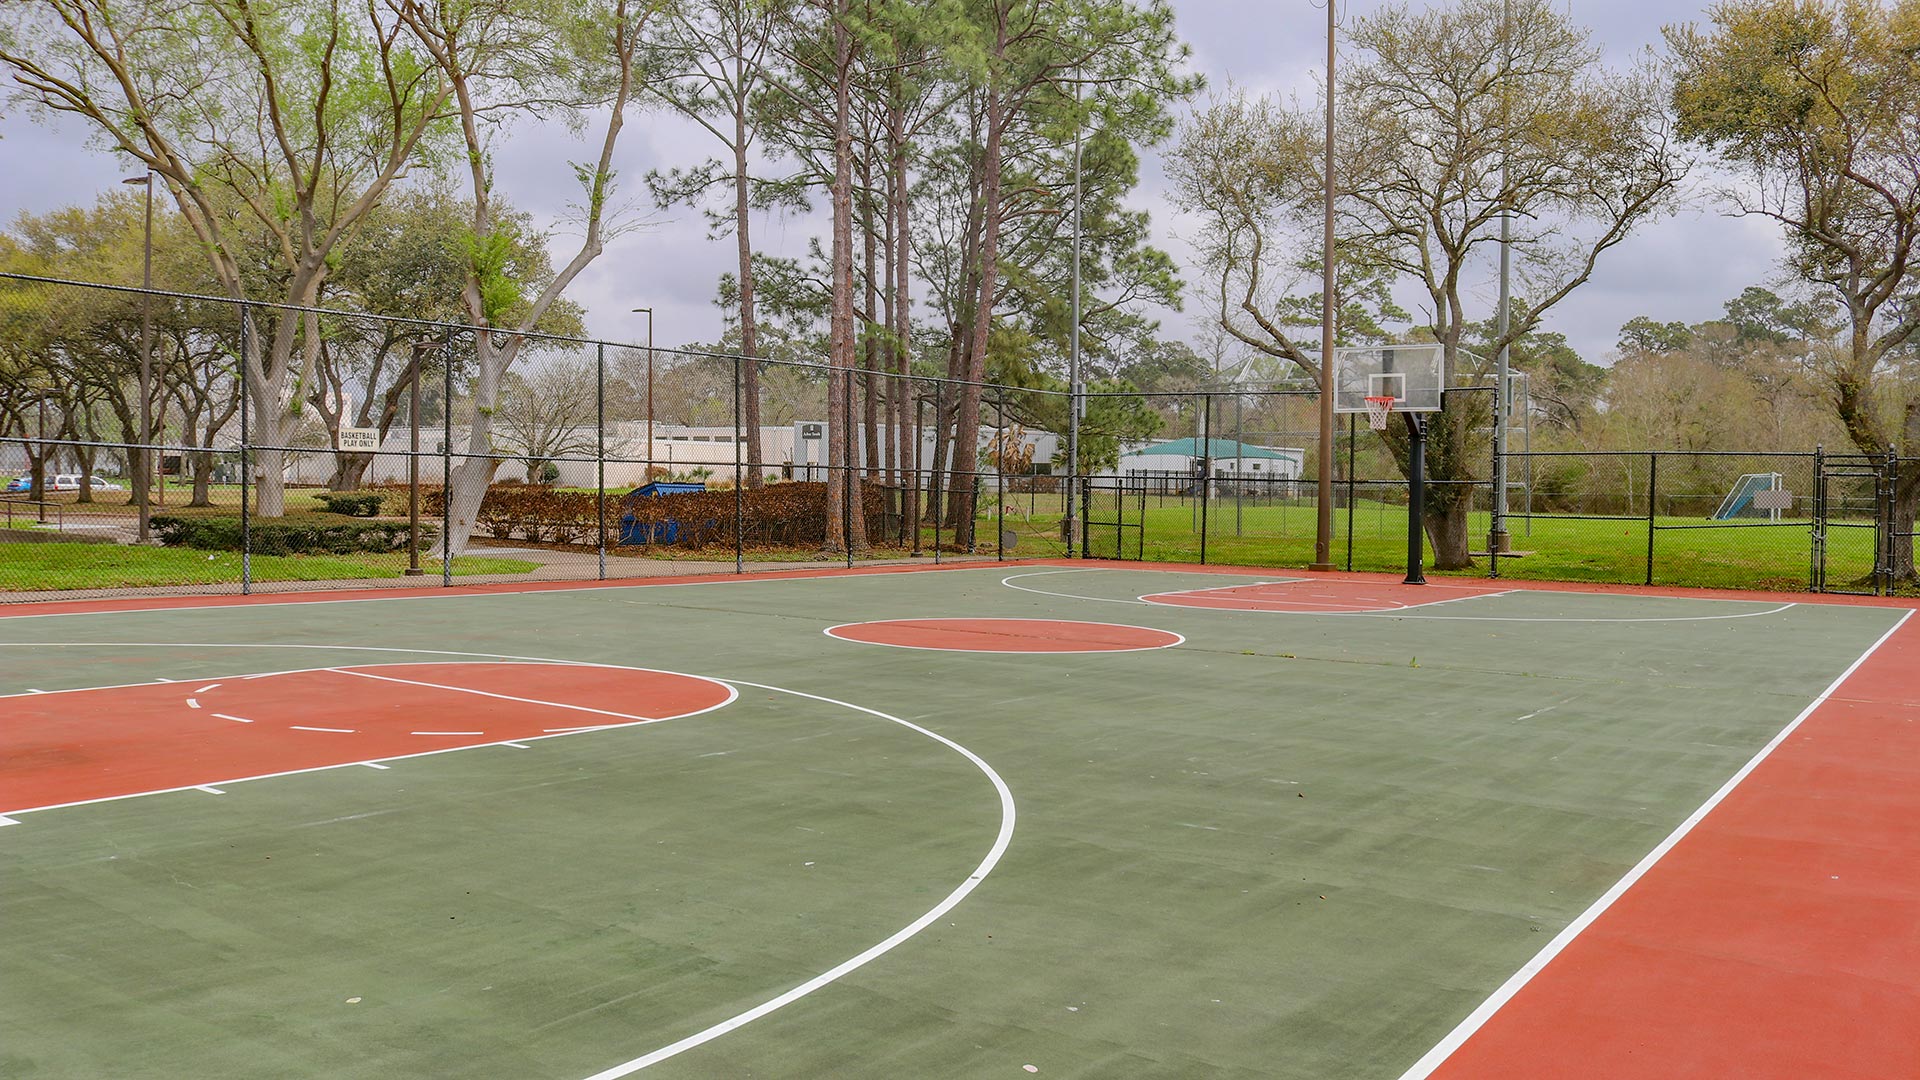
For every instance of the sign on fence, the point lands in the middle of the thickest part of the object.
(359, 440)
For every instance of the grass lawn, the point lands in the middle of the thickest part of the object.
(1749, 555)
(55, 566)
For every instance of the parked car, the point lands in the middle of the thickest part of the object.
(71, 482)
(19, 483)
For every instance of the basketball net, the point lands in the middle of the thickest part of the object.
(1378, 409)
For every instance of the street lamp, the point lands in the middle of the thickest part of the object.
(648, 312)
(143, 476)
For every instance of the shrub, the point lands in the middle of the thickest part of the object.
(352, 503)
(791, 515)
(778, 515)
(287, 538)
(542, 515)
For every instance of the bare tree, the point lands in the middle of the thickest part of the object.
(548, 413)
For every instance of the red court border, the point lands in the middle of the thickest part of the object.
(100, 744)
(1775, 940)
(174, 602)
(1037, 637)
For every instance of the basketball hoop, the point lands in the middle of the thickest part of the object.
(1378, 409)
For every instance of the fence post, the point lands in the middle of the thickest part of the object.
(1498, 503)
(739, 477)
(936, 478)
(600, 448)
(1203, 455)
(246, 456)
(1653, 488)
(1816, 535)
(1889, 540)
(446, 455)
(1086, 511)
(1353, 439)
(1000, 483)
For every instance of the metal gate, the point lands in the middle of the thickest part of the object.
(1113, 510)
(1854, 532)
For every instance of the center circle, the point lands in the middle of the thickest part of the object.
(1006, 635)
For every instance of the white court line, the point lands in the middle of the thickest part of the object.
(1572, 619)
(209, 686)
(334, 730)
(758, 576)
(1009, 583)
(249, 645)
(1394, 605)
(489, 694)
(1177, 638)
(374, 765)
(193, 703)
(1001, 840)
(209, 789)
(1479, 1017)
(517, 746)
(731, 696)
(847, 967)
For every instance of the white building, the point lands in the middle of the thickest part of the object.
(1179, 461)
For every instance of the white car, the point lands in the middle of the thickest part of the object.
(71, 482)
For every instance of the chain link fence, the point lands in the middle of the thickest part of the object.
(279, 448)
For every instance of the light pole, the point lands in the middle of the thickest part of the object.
(648, 312)
(143, 476)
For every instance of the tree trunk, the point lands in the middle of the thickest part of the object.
(1448, 531)
(202, 480)
(966, 434)
(846, 518)
(474, 474)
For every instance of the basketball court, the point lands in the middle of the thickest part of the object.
(1066, 819)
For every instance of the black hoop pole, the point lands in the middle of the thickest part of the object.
(1416, 498)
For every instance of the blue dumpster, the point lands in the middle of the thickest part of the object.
(659, 532)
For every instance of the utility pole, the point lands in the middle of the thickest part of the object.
(1499, 541)
(1075, 400)
(143, 474)
(1323, 523)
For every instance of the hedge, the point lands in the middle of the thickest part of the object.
(284, 538)
(789, 514)
(352, 503)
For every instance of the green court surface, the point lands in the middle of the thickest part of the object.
(1302, 842)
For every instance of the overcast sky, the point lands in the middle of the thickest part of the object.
(1680, 268)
